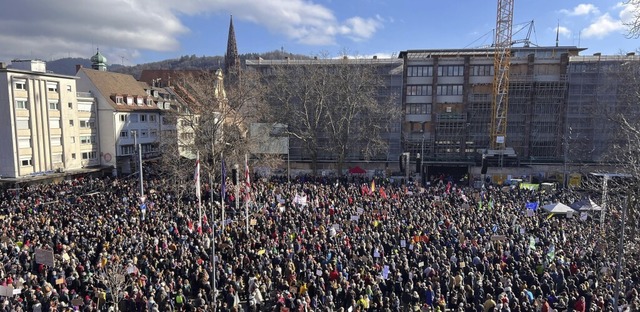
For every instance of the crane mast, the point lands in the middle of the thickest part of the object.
(501, 62)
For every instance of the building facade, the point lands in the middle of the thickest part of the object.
(447, 101)
(48, 125)
(129, 116)
(598, 85)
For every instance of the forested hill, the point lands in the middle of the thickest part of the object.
(67, 66)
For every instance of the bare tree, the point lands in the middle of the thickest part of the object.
(633, 24)
(116, 279)
(334, 107)
(215, 118)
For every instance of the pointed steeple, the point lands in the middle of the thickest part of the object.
(231, 58)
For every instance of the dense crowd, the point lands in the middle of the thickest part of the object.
(312, 245)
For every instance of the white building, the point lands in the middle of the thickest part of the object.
(47, 126)
(128, 114)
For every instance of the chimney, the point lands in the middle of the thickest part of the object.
(375, 57)
(78, 66)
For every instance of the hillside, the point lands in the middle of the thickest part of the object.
(67, 66)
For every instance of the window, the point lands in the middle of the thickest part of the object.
(89, 155)
(144, 133)
(165, 121)
(451, 70)
(90, 124)
(143, 118)
(70, 105)
(73, 139)
(139, 101)
(56, 141)
(449, 90)
(481, 70)
(124, 134)
(85, 107)
(56, 158)
(152, 118)
(87, 139)
(419, 71)
(25, 162)
(119, 100)
(71, 124)
(418, 109)
(22, 104)
(20, 84)
(54, 123)
(73, 155)
(153, 133)
(149, 101)
(123, 118)
(133, 117)
(52, 86)
(22, 124)
(54, 105)
(129, 100)
(127, 149)
(69, 88)
(24, 142)
(418, 90)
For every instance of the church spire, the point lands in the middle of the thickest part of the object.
(231, 58)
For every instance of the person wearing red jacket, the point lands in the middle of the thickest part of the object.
(580, 305)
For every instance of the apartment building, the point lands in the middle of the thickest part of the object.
(47, 125)
(128, 115)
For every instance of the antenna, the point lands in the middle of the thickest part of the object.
(122, 58)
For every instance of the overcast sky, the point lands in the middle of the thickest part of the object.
(140, 31)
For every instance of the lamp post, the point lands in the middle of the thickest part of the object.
(422, 180)
(138, 146)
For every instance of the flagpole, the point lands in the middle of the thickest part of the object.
(248, 189)
(222, 221)
(198, 190)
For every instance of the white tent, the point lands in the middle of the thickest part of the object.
(558, 208)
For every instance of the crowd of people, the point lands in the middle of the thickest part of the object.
(305, 245)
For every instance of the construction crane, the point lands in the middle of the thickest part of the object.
(501, 63)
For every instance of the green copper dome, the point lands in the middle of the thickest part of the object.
(98, 58)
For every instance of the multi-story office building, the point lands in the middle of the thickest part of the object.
(447, 103)
(390, 72)
(598, 85)
(47, 125)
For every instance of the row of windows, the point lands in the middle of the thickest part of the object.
(421, 90)
(27, 161)
(130, 100)
(55, 123)
(419, 109)
(449, 70)
(57, 141)
(449, 90)
(144, 133)
(138, 118)
(130, 149)
(23, 104)
(52, 86)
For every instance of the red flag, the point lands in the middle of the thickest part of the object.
(383, 193)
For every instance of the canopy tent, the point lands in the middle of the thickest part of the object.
(586, 205)
(357, 170)
(558, 208)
